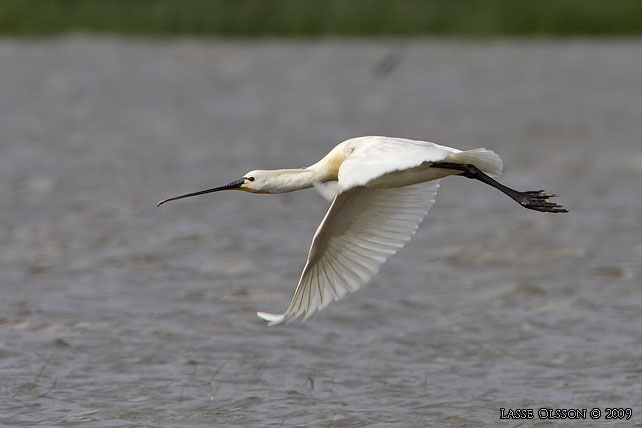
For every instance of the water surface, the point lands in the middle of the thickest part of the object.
(118, 313)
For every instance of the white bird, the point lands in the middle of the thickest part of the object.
(381, 189)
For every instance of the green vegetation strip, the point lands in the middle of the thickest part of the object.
(250, 18)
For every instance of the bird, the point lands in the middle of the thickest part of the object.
(380, 189)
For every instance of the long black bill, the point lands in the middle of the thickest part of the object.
(233, 185)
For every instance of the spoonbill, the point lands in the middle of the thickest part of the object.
(381, 188)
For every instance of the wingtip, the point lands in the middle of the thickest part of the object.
(272, 319)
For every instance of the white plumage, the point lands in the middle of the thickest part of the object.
(381, 189)
(362, 228)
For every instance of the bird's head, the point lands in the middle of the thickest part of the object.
(258, 181)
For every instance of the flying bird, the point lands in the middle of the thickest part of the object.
(381, 188)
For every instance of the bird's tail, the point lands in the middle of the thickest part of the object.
(486, 160)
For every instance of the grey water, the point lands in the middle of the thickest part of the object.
(116, 313)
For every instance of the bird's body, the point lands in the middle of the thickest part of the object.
(373, 162)
(381, 189)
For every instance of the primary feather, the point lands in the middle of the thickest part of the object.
(362, 228)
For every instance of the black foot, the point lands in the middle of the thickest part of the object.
(538, 200)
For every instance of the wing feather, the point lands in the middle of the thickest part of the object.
(370, 158)
(363, 227)
(375, 156)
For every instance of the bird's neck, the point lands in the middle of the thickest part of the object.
(289, 180)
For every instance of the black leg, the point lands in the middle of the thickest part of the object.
(537, 200)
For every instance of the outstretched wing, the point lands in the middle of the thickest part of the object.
(362, 228)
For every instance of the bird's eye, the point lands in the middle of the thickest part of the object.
(250, 178)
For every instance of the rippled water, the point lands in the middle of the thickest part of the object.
(118, 313)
